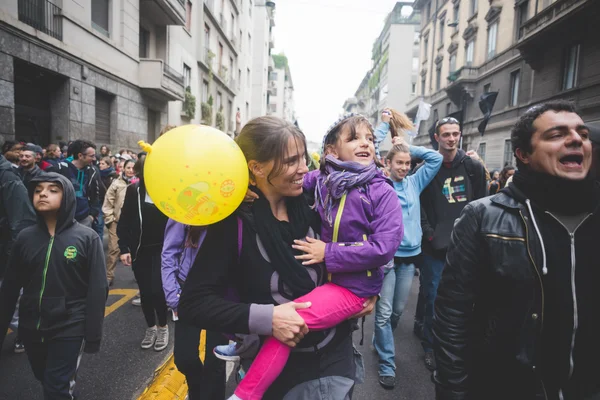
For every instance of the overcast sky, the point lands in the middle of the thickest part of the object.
(328, 44)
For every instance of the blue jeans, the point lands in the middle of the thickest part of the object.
(431, 273)
(98, 226)
(394, 293)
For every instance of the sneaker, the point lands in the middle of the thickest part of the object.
(227, 352)
(430, 361)
(149, 338)
(137, 301)
(387, 382)
(19, 347)
(174, 316)
(162, 338)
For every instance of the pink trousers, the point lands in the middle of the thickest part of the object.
(331, 304)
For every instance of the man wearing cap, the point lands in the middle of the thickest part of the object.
(28, 169)
(460, 180)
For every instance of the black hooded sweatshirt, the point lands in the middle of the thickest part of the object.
(63, 277)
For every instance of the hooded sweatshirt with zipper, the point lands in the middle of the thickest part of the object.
(449, 192)
(408, 190)
(63, 277)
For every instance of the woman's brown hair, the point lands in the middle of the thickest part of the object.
(399, 122)
(397, 148)
(266, 138)
(50, 150)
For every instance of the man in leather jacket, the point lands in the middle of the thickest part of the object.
(516, 310)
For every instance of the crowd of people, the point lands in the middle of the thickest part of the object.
(506, 304)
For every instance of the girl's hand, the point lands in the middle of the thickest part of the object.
(369, 306)
(250, 196)
(386, 116)
(314, 249)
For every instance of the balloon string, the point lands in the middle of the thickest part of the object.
(145, 146)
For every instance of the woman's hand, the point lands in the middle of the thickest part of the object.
(368, 307)
(386, 116)
(398, 140)
(288, 327)
(126, 259)
(314, 249)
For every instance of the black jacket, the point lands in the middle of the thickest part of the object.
(490, 306)
(63, 278)
(141, 223)
(16, 211)
(89, 197)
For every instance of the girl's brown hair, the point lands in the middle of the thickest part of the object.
(399, 122)
(192, 238)
(50, 150)
(266, 138)
(108, 161)
(396, 149)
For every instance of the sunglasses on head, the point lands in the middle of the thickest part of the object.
(447, 120)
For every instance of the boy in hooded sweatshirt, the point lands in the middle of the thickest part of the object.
(60, 265)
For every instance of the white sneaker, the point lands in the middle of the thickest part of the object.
(137, 301)
(149, 338)
(174, 316)
(162, 338)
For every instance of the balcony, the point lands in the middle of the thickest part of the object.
(43, 16)
(207, 59)
(547, 18)
(160, 81)
(271, 41)
(412, 106)
(271, 64)
(461, 81)
(163, 12)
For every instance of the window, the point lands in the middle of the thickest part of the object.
(232, 35)
(204, 91)
(415, 64)
(100, 13)
(239, 82)
(414, 88)
(492, 40)
(508, 152)
(249, 43)
(515, 80)
(571, 67)
(522, 16)
(248, 77)
(448, 108)
(470, 52)
(486, 88)
(428, 11)
(187, 77)
(273, 107)
(442, 26)
(220, 55)
(438, 78)
(435, 115)
(423, 80)
(206, 36)
(103, 103)
(229, 112)
(188, 15)
(473, 7)
(247, 111)
(250, 9)
(481, 151)
(425, 48)
(144, 42)
(219, 101)
(456, 16)
(452, 62)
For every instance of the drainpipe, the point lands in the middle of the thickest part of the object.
(433, 43)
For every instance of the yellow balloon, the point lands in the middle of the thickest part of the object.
(195, 174)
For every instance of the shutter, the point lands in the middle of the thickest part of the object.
(102, 117)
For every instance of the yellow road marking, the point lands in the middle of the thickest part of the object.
(127, 294)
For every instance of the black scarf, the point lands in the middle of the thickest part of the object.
(564, 196)
(278, 237)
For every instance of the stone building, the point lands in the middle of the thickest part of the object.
(529, 51)
(88, 69)
(281, 90)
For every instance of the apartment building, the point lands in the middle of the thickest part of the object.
(92, 69)
(262, 63)
(281, 90)
(392, 81)
(529, 51)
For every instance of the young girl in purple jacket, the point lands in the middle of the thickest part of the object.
(180, 248)
(352, 194)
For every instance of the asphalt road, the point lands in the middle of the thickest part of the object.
(122, 369)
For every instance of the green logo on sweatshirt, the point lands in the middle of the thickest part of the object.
(70, 252)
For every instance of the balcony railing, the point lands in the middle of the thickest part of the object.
(171, 73)
(43, 16)
(553, 12)
(208, 57)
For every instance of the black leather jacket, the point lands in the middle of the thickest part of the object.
(489, 310)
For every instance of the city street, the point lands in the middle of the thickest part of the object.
(122, 370)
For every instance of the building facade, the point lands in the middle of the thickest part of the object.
(262, 63)
(393, 78)
(281, 90)
(95, 70)
(529, 51)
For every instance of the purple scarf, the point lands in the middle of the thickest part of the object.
(339, 179)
